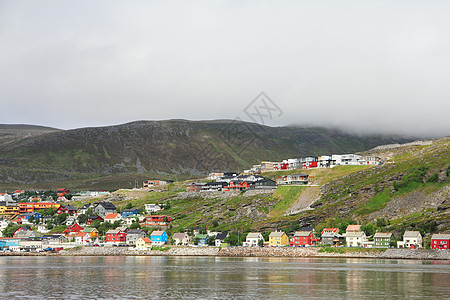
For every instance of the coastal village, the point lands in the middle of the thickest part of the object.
(35, 224)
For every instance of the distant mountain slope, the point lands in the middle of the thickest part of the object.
(173, 147)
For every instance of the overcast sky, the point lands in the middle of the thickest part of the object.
(368, 66)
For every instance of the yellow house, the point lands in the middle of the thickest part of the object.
(143, 244)
(8, 210)
(278, 239)
(93, 232)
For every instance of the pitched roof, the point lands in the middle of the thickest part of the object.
(179, 235)
(253, 235)
(136, 231)
(221, 236)
(277, 234)
(157, 232)
(353, 228)
(355, 234)
(106, 205)
(146, 240)
(111, 216)
(441, 236)
(81, 233)
(89, 229)
(113, 231)
(411, 234)
(302, 233)
(383, 235)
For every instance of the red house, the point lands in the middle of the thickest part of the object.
(116, 236)
(440, 241)
(93, 218)
(302, 238)
(67, 209)
(158, 220)
(74, 228)
(310, 164)
(237, 185)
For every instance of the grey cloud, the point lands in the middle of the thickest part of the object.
(377, 67)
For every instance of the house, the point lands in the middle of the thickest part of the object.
(278, 239)
(27, 234)
(27, 207)
(355, 238)
(67, 209)
(440, 241)
(129, 220)
(123, 229)
(112, 217)
(42, 228)
(83, 238)
(220, 238)
(93, 232)
(104, 208)
(9, 208)
(194, 187)
(157, 220)
(143, 243)
(411, 239)
(74, 228)
(90, 219)
(12, 244)
(54, 239)
(155, 183)
(213, 187)
(149, 208)
(159, 237)
(253, 239)
(22, 228)
(202, 239)
(62, 192)
(70, 220)
(383, 239)
(116, 236)
(181, 238)
(83, 210)
(135, 234)
(299, 178)
(237, 185)
(302, 238)
(31, 245)
(265, 184)
(330, 230)
(129, 212)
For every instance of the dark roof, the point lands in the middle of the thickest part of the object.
(86, 206)
(107, 205)
(94, 217)
(307, 229)
(216, 183)
(130, 210)
(69, 207)
(221, 236)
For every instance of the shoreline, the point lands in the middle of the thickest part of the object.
(256, 252)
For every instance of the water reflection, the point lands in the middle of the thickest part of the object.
(219, 277)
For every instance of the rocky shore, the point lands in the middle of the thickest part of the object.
(247, 252)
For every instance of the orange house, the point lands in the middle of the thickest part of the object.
(32, 206)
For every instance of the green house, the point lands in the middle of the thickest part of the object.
(383, 239)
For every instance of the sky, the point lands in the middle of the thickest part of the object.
(363, 66)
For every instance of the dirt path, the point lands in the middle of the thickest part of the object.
(307, 197)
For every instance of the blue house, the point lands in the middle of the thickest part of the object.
(202, 239)
(130, 212)
(159, 237)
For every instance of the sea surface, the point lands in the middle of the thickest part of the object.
(127, 277)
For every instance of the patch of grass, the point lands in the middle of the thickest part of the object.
(342, 250)
(287, 195)
(379, 201)
(160, 248)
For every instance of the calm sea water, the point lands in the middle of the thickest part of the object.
(216, 277)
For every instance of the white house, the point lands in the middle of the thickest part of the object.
(152, 208)
(112, 217)
(252, 239)
(181, 238)
(355, 238)
(411, 238)
(83, 238)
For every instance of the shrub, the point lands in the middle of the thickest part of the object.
(433, 178)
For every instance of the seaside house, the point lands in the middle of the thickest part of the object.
(383, 239)
(202, 239)
(159, 237)
(331, 236)
(253, 239)
(143, 243)
(411, 239)
(116, 236)
(83, 238)
(181, 238)
(74, 228)
(134, 234)
(355, 238)
(302, 238)
(440, 241)
(278, 239)
(220, 238)
(93, 232)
